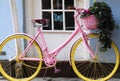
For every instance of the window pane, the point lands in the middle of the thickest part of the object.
(47, 15)
(69, 3)
(69, 20)
(46, 4)
(57, 4)
(58, 20)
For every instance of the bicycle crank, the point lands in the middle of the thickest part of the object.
(50, 60)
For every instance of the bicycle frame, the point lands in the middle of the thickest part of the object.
(25, 66)
(54, 52)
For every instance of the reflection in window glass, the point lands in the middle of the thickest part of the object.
(57, 4)
(57, 13)
(58, 20)
(47, 15)
(46, 2)
(69, 3)
(69, 20)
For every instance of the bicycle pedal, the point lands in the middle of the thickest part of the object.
(57, 71)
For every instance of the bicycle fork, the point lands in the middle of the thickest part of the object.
(85, 41)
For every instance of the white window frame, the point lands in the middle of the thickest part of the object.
(77, 3)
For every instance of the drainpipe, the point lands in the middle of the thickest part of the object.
(15, 23)
(24, 17)
(14, 16)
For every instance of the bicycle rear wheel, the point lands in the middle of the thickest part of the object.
(100, 69)
(17, 70)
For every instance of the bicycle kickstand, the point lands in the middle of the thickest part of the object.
(45, 73)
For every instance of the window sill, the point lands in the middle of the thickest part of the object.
(57, 31)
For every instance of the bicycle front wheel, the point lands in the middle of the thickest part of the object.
(15, 69)
(100, 69)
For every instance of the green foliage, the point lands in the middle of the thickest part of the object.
(106, 23)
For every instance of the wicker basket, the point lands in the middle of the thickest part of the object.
(89, 22)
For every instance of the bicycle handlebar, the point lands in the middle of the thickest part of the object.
(79, 10)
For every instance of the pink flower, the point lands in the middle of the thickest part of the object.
(87, 11)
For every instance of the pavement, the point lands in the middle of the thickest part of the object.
(68, 79)
(59, 79)
(116, 77)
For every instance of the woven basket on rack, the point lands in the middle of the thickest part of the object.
(89, 22)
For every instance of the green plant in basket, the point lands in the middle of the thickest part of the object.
(105, 23)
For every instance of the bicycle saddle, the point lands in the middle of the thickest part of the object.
(40, 21)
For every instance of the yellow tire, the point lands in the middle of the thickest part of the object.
(100, 69)
(17, 70)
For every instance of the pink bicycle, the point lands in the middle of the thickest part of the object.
(25, 54)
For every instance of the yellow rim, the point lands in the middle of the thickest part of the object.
(38, 50)
(82, 76)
